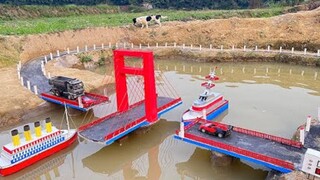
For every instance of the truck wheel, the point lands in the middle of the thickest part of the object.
(56, 93)
(220, 135)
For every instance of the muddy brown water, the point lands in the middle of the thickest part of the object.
(271, 98)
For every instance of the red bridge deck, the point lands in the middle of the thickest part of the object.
(271, 151)
(88, 100)
(112, 127)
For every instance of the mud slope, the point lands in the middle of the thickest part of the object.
(297, 30)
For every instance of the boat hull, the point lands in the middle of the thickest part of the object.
(190, 115)
(21, 165)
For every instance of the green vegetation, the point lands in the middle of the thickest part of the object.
(164, 4)
(102, 59)
(9, 12)
(56, 24)
(85, 58)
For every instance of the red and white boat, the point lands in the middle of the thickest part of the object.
(38, 142)
(209, 104)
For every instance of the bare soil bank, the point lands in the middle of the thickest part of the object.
(299, 30)
(16, 100)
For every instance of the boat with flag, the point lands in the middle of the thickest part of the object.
(209, 104)
(40, 139)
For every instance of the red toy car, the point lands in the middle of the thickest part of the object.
(216, 129)
(88, 101)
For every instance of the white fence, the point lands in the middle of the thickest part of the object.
(28, 83)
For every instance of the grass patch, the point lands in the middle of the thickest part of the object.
(10, 12)
(73, 22)
(85, 58)
(102, 59)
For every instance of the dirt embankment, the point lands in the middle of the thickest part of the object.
(299, 30)
(15, 100)
(69, 66)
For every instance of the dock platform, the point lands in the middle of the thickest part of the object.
(108, 129)
(270, 151)
(87, 101)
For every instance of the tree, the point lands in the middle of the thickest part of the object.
(120, 2)
(255, 3)
(176, 4)
(135, 2)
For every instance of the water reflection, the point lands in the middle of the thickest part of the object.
(283, 75)
(198, 166)
(111, 159)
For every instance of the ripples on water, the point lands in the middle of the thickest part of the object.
(272, 98)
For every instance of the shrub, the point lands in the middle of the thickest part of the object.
(102, 60)
(85, 58)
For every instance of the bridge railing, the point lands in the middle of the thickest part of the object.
(281, 140)
(134, 123)
(199, 120)
(97, 97)
(86, 126)
(269, 137)
(170, 104)
(240, 151)
(122, 129)
(193, 122)
(72, 102)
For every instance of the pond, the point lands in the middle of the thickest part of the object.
(267, 97)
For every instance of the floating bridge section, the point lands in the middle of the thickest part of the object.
(87, 101)
(274, 152)
(128, 117)
(110, 128)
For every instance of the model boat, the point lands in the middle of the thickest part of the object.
(39, 141)
(209, 104)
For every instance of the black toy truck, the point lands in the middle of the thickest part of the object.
(70, 88)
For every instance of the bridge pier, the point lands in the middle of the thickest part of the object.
(181, 133)
(302, 136)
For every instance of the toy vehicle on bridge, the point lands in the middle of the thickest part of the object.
(70, 92)
(216, 129)
(70, 88)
